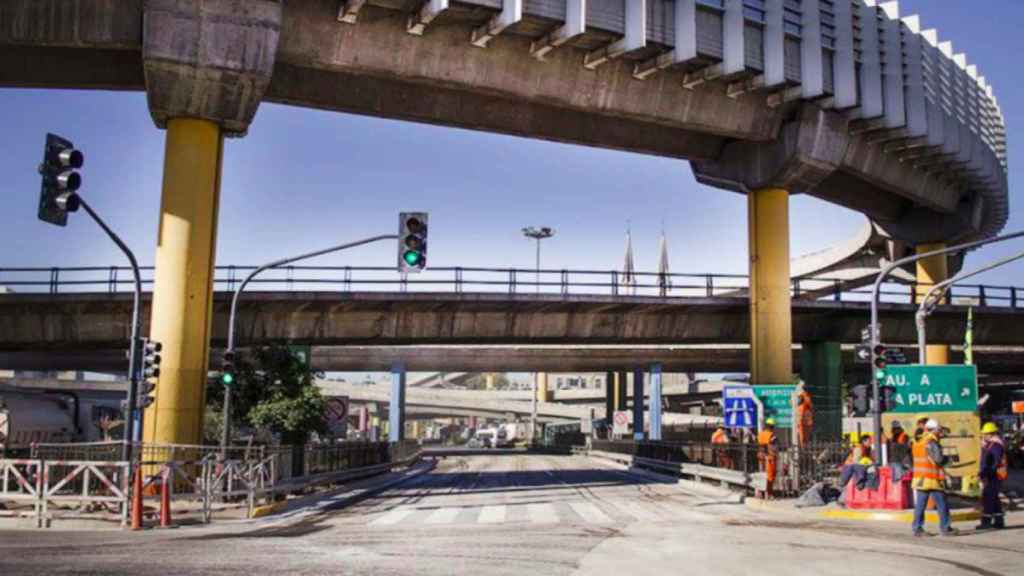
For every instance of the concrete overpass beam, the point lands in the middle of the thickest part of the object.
(634, 39)
(422, 18)
(575, 25)
(511, 13)
(206, 65)
(807, 151)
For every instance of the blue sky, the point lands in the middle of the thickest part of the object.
(304, 179)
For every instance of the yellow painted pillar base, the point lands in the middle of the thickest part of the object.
(771, 325)
(543, 394)
(931, 271)
(183, 282)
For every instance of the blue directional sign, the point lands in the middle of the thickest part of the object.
(739, 407)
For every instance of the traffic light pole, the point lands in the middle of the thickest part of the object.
(926, 307)
(131, 424)
(226, 433)
(873, 327)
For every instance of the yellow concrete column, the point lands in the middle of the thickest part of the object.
(930, 271)
(489, 380)
(771, 325)
(543, 394)
(182, 286)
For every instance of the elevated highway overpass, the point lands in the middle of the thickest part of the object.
(852, 102)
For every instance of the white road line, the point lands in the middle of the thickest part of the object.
(492, 514)
(393, 517)
(542, 514)
(442, 516)
(590, 513)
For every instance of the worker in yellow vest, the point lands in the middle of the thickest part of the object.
(930, 479)
(768, 455)
(993, 471)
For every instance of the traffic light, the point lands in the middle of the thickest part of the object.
(60, 180)
(146, 390)
(227, 371)
(888, 401)
(881, 356)
(861, 399)
(412, 241)
(150, 358)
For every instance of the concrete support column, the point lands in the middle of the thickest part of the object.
(638, 404)
(364, 419)
(396, 411)
(543, 394)
(622, 378)
(931, 271)
(821, 368)
(609, 395)
(183, 282)
(771, 332)
(655, 402)
(489, 381)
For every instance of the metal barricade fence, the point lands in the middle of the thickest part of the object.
(87, 484)
(21, 484)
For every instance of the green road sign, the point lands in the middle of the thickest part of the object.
(951, 388)
(303, 353)
(778, 402)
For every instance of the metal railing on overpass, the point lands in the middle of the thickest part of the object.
(512, 281)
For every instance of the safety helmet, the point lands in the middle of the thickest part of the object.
(932, 424)
(865, 461)
(990, 428)
(897, 425)
(769, 422)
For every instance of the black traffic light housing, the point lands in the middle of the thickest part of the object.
(412, 241)
(881, 356)
(149, 370)
(227, 370)
(60, 180)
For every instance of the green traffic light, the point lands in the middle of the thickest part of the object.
(411, 257)
(227, 378)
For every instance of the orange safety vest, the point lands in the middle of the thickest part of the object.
(766, 438)
(927, 474)
(719, 437)
(1003, 469)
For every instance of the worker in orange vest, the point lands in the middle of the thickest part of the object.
(804, 418)
(993, 471)
(768, 455)
(930, 479)
(720, 444)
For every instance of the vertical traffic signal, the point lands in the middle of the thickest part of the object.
(60, 180)
(149, 368)
(881, 356)
(227, 370)
(412, 241)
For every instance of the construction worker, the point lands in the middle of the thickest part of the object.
(804, 418)
(859, 451)
(768, 455)
(720, 445)
(930, 479)
(994, 470)
(900, 459)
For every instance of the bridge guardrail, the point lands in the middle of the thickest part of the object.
(113, 279)
(57, 487)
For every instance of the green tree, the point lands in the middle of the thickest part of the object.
(274, 391)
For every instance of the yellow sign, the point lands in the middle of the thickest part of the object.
(962, 444)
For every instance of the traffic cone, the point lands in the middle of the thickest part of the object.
(137, 500)
(165, 502)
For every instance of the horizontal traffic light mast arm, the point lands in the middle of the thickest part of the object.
(937, 292)
(285, 261)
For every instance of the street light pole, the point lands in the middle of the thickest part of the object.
(225, 436)
(537, 234)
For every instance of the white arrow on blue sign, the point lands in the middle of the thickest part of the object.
(739, 407)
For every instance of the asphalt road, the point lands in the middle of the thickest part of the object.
(517, 514)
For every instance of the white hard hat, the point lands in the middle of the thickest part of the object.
(932, 424)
